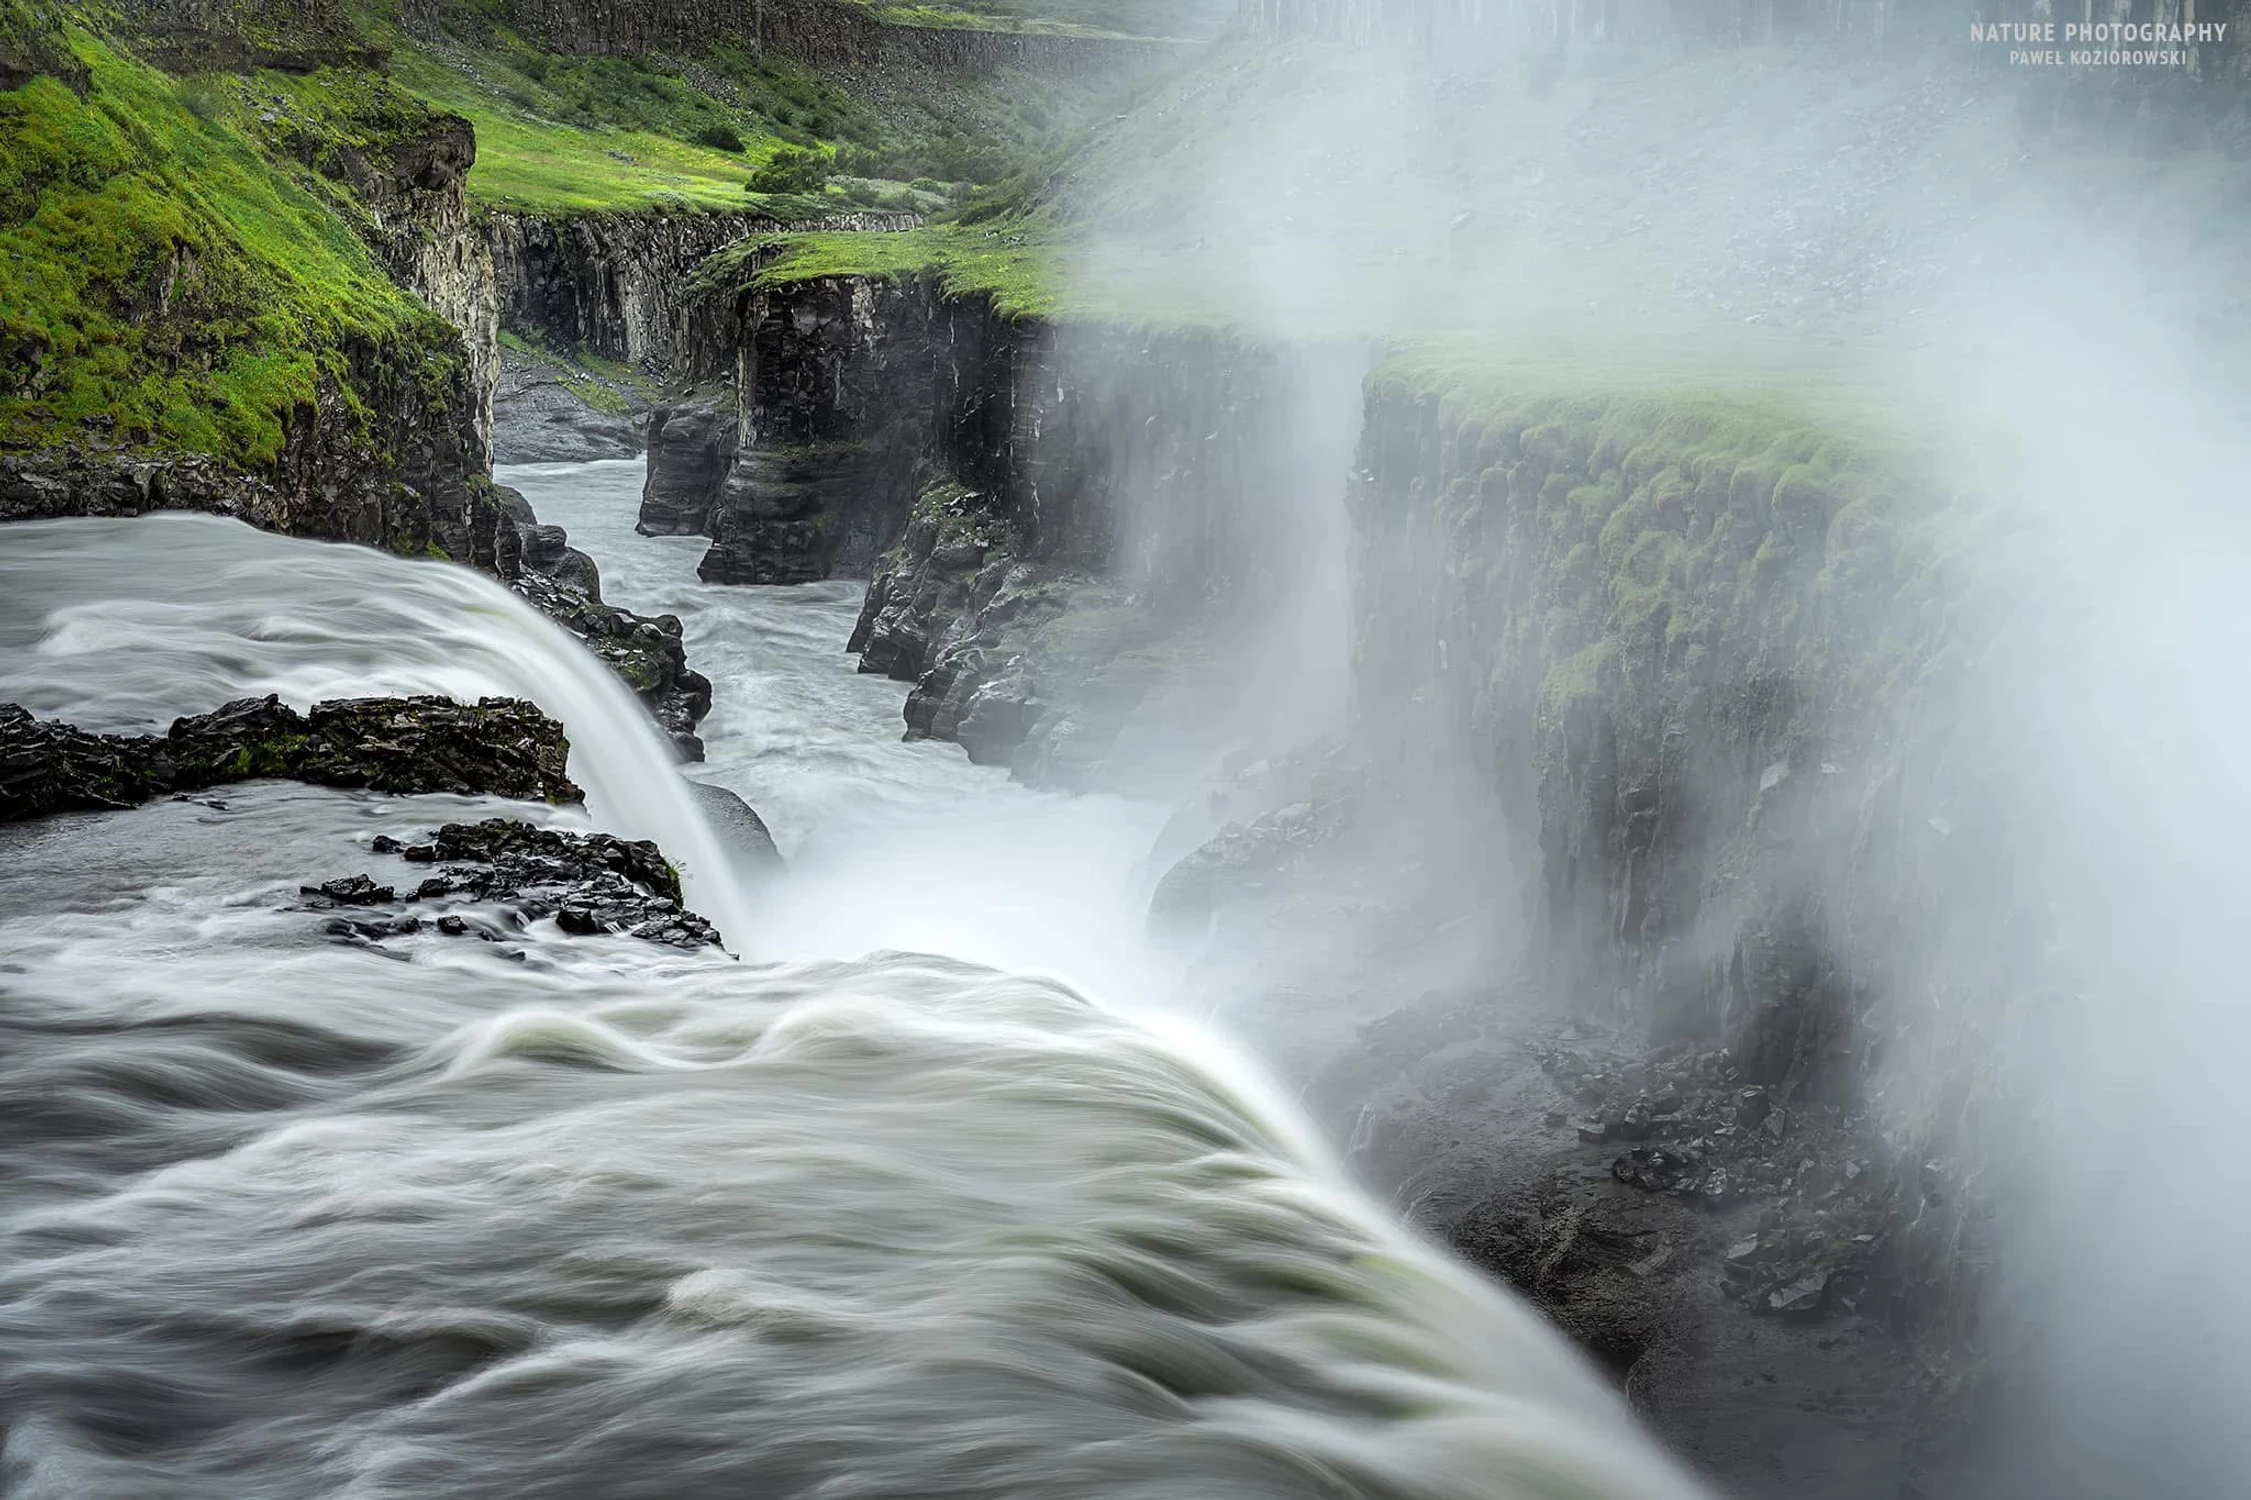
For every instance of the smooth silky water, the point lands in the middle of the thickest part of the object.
(585, 1217)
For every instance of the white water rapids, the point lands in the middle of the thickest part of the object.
(585, 1217)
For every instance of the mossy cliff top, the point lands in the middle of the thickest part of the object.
(163, 280)
(1012, 269)
(190, 190)
(1647, 540)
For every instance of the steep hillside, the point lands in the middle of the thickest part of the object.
(190, 278)
(269, 250)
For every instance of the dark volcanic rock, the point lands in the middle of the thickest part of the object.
(691, 448)
(548, 552)
(1602, 1268)
(645, 652)
(351, 890)
(449, 509)
(564, 584)
(588, 882)
(498, 747)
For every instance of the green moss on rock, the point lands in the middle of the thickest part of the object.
(163, 283)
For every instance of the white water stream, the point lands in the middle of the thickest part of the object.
(583, 1217)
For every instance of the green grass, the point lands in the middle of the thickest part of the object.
(564, 134)
(530, 162)
(1014, 268)
(163, 283)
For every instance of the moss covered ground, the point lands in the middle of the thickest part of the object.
(1662, 517)
(571, 134)
(1011, 267)
(162, 280)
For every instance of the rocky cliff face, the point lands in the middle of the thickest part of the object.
(611, 286)
(606, 283)
(1696, 652)
(407, 194)
(1050, 514)
(834, 399)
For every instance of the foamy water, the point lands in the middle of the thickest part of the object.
(557, 1217)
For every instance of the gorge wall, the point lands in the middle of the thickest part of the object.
(1050, 512)
(611, 286)
(1703, 653)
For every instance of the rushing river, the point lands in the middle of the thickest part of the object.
(583, 1217)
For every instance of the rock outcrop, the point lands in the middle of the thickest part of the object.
(1052, 515)
(741, 831)
(406, 192)
(499, 747)
(692, 445)
(502, 873)
(645, 651)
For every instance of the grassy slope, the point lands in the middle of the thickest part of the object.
(164, 282)
(559, 134)
(1011, 268)
(525, 161)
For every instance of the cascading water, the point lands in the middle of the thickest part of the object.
(126, 625)
(583, 1217)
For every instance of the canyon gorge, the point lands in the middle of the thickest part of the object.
(1402, 749)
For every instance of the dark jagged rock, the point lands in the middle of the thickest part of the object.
(447, 510)
(1605, 1269)
(351, 890)
(646, 652)
(588, 882)
(547, 551)
(497, 747)
(691, 447)
(565, 585)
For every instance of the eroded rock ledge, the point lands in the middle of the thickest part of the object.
(588, 882)
(501, 747)
(1051, 517)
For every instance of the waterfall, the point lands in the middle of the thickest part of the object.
(128, 624)
(590, 1217)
